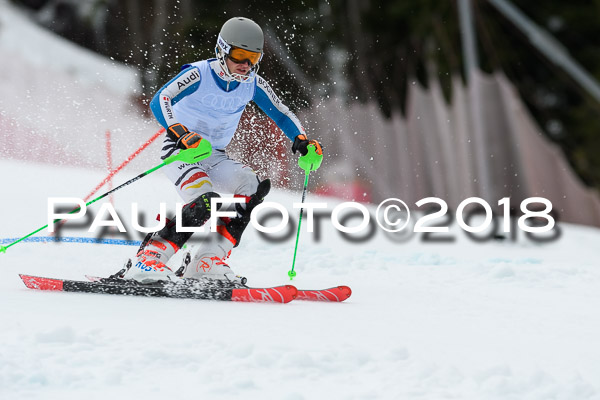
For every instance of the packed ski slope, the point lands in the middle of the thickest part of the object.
(465, 320)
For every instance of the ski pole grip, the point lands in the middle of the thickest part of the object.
(312, 160)
(193, 154)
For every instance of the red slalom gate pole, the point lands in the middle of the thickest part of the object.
(124, 163)
(109, 163)
(120, 167)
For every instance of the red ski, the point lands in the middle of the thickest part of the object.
(185, 289)
(339, 293)
(334, 294)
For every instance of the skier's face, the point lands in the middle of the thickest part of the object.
(242, 68)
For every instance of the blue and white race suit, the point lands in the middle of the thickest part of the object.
(212, 106)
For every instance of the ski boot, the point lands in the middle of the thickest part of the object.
(148, 267)
(157, 248)
(211, 271)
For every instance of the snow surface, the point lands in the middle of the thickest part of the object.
(465, 320)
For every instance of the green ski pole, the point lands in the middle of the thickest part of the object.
(291, 272)
(188, 156)
(309, 162)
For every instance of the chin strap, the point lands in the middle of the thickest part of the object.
(220, 67)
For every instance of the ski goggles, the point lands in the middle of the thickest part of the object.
(240, 56)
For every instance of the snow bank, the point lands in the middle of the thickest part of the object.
(61, 99)
(39, 48)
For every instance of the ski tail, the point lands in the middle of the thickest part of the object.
(39, 283)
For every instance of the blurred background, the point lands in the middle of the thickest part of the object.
(411, 99)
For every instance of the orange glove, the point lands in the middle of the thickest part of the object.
(301, 144)
(185, 139)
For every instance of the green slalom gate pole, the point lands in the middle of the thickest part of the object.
(309, 162)
(188, 156)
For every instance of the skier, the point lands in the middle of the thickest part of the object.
(205, 102)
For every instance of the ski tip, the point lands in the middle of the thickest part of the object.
(334, 294)
(39, 283)
(345, 290)
(293, 291)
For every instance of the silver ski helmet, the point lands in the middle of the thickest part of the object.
(240, 39)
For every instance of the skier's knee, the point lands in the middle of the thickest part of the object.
(236, 226)
(246, 182)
